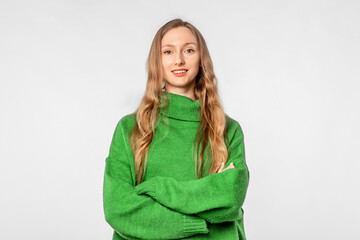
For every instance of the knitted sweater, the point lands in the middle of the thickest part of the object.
(171, 203)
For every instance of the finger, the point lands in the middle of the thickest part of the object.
(230, 166)
(221, 167)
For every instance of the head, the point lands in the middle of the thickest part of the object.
(169, 52)
(180, 61)
(179, 45)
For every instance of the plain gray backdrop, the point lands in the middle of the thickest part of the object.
(288, 72)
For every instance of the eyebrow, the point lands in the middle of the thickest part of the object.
(171, 45)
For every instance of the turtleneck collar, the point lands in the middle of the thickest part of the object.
(181, 107)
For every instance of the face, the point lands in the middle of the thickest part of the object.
(180, 58)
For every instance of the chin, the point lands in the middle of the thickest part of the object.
(178, 83)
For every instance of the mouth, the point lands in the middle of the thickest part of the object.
(179, 72)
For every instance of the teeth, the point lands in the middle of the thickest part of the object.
(180, 71)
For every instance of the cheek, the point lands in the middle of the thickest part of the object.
(196, 61)
(165, 63)
(163, 66)
(166, 68)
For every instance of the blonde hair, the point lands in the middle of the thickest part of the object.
(212, 128)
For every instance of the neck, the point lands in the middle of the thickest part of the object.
(186, 92)
(181, 107)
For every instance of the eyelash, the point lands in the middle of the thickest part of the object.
(186, 50)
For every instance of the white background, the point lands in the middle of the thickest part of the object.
(288, 72)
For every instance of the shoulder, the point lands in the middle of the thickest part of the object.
(126, 123)
(233, 128)
(128, 120)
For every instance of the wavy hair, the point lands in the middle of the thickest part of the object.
(211, 133)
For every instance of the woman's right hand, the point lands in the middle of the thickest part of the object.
(222, 166)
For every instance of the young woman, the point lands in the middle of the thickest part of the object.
(176, 167)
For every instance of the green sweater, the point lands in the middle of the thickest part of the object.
(171, 203)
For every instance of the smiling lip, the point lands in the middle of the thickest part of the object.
(179, 74)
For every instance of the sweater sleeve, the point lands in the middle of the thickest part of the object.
(216, 198)
(135, 216)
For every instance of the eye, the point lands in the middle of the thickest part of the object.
(190, 50)
(167, 52)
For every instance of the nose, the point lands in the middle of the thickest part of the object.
(179, 59)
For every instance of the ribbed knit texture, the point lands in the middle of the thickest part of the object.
(171, 203)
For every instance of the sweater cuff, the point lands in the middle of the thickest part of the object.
(194, 225)
(147, 187)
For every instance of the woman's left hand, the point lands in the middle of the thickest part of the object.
(222, 166)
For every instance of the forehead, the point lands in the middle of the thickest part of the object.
(178, 36)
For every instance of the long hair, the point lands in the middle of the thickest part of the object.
(212, 128)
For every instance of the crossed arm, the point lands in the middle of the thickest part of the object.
(184, 206)
(216, 198)
(135, 216)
